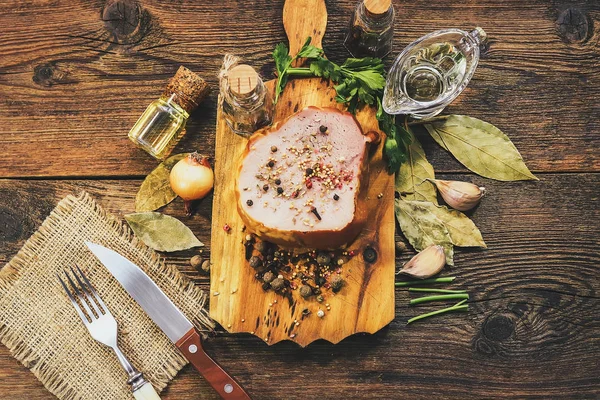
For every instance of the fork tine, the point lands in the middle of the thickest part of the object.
(87, 294)
(80, 297)
(92, 290)
(77, 308)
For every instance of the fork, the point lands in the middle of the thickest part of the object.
(103, 328)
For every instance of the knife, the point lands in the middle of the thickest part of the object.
(169, 319)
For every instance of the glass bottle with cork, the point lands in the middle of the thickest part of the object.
(162, 125)
(371, 30)
(247, 104)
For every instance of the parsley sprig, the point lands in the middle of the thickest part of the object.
(358, 82)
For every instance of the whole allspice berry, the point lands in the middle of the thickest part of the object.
(323, 258)
(261, 247)
(268, 276)
(277, 283)
(336, 283)
(206, 266)
(196, 261)
(306, 291)
(255, 262)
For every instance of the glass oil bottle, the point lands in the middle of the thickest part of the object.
(247, 104)
(162, 125)
(371, 30)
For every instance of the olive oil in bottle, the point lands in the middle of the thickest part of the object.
(162, 125)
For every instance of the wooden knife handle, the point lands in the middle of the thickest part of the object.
(303, 18)
(191, 347)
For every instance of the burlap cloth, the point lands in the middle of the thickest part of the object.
(42, 330)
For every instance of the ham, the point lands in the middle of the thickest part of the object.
(302, 182)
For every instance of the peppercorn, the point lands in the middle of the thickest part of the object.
(317, 290)
(196, 261)
(266, 286)
(250, 203)
(336, 283)
(255, 262)
(320, 298)
(336, 197)
(306, 291)
(278, 181)
(273, 149)
(265, 187)
(268, 276)
(270, 164)
(277, 283)
(279, 189)
(323, 258)
(309, 171)
(320, 281)
(322, 129)
(261, 247)
(206, 266)
(400, 247)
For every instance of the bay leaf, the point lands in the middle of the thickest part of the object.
(412, 177)
(480, 146)
(463, 231)
(162, 232)
(155, 191)
(423, 228)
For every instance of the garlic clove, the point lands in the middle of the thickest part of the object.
(427, 263)
(459, 195)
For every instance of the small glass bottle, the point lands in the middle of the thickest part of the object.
(162, 125)
(371, 30)
(247, 104)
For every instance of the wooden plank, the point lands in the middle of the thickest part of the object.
(72, 84)
(532, 329)
(366, 303)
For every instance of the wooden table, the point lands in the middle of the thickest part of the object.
(75, 75)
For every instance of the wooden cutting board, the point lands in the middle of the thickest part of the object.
(237, 300)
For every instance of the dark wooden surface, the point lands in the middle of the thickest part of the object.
(74, 76)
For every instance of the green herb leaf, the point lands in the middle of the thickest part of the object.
(155, 191)
(480, 146)
(412, 177)
(462, 229)
(161, 232)
(422, 228)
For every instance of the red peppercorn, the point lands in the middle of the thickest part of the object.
(226, 228)
(308, 184)
(351, 253)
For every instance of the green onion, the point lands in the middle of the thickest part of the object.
(412, 289)
(457, 307)
(438, 298)
(426, 281)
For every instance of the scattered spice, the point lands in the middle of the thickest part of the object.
(278, 284)
(255, 262)
(320, 313)
(306, 291)
(273, 149)
(322, 129)
(336, 197)
(265, 187)
(196, 261)
(227, 228)
(271, 164)
(268, 276)
(279, 190)
(337, 282)
(205, 266)
(309, 171)
(249, 203)
(314, 211)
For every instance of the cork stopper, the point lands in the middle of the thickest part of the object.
(242, 80)
(377, 7)
(187, 89)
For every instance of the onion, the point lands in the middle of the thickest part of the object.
(192, 178)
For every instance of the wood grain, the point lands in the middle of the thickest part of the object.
(366, 303)
(75, 75)
(532, 330)
(68, 67)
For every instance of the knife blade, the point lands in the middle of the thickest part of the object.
(169, 319)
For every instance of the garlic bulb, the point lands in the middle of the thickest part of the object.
(459, 195)
(427, 263)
